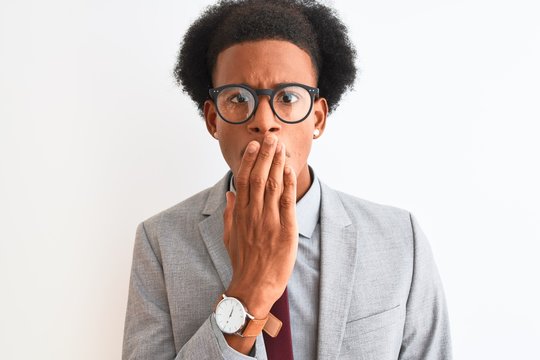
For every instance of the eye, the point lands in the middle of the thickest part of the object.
(239, 98)
(287, 97)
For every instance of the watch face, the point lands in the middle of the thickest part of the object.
(230, 315)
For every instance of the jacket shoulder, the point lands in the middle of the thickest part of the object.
(188, 211)
(380, 216)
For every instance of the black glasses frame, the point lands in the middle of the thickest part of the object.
(313, 93)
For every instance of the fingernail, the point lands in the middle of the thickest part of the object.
(287, 170)
(270, 139)
(251, 148)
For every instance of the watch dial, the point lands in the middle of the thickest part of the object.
(230, 315)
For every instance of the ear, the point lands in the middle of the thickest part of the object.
(320, 107)
(210, 116)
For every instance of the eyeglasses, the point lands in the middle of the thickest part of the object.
(290, 102)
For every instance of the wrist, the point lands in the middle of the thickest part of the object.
(255, 301)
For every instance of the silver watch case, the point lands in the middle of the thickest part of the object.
(231, 315)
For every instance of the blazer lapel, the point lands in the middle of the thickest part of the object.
(211, 229)
(337, 269)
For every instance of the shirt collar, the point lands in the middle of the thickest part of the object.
(307, 209)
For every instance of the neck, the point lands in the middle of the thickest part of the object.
(303, 182)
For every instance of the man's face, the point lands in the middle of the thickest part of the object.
(265, 64)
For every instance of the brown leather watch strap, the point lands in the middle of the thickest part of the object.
(253, 327)
(273, 325)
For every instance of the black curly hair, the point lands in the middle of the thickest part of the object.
(308, 24)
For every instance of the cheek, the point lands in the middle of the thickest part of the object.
(230, 153)
(232, 149)
(299, 148)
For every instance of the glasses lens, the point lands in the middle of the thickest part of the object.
(292, 103)
(235, 104)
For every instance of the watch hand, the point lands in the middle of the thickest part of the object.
(231, 313)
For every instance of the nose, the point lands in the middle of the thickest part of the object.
(264, 120)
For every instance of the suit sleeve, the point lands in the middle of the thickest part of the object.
(427, 332)
(148, 330)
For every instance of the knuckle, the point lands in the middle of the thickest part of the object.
(277, 161)
(270, 223)
(257, 180)
(272, 185)
(287, 201)
(253, 217)
(264, 154)
(289, 182)
(242, 181)
(241, 217)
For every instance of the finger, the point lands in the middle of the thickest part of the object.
(274, 183)
(287, 203)
(242, 178)
(228, 218)
(259, 174)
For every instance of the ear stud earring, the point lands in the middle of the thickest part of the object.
(215, 135)
(316, 133)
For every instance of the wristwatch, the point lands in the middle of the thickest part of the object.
(232, 317)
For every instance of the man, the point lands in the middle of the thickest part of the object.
(270, 262)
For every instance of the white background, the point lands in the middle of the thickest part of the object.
(95, 137)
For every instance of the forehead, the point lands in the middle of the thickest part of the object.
(264, 64)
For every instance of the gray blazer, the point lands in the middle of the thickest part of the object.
(380, 293)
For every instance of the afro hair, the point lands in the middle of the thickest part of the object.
(308, 24)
